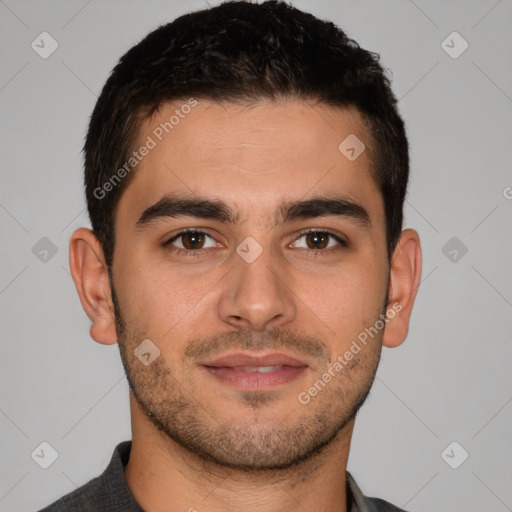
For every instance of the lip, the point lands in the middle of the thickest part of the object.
(227, 369)
(247, 359)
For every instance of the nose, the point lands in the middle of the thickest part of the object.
(257, 294)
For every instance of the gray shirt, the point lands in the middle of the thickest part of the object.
(109, 492)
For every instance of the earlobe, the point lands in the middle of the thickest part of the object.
(90, 275)
(404, 281)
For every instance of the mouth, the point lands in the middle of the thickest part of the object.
(255, 373)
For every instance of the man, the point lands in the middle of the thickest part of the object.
(245, 172)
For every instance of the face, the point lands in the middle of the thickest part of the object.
(251, 252)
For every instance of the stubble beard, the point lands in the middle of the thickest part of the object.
(245, 442)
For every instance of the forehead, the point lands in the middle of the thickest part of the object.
(251, 156)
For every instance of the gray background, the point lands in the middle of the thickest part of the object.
(450, 381)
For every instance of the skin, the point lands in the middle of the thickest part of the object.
(198, 443)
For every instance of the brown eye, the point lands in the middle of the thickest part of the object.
(193, 240)
(317, 240)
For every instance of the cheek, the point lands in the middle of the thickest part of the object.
(348, 300)
(156, 298)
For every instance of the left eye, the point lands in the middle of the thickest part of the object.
(315, 240)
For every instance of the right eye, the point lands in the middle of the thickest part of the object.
(191, 242)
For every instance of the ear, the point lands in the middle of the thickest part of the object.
(404, 281)
(89, 272)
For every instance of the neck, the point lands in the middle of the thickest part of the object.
(165, 477)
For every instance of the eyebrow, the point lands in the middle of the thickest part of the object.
(171, 205)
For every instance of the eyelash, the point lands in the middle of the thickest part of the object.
(199, 252)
